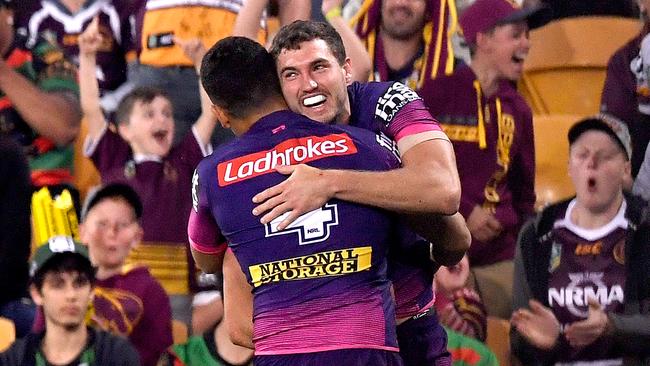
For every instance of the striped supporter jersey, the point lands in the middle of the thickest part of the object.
(321, 283)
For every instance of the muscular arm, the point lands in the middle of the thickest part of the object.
(449, 237)
(53, 115)
(427, 183)
(238, 302)
(208, 263)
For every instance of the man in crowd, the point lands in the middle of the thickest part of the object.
(39, 102)
(491, 128)
(62, 284)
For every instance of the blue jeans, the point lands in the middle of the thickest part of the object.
(21, 312)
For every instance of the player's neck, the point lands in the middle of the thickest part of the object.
(240, 126)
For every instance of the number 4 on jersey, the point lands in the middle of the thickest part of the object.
(312, 227)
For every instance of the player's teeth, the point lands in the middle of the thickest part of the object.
(313, 100)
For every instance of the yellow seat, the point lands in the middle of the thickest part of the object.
(498, 339)
(179, 331)
(566, 67)
(552, 182)
(7, 333)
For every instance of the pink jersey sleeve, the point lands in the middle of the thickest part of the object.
(202, 230)
(412, 119)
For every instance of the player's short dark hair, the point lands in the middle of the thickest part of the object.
(291, 36)
(143, 94)
(65, 263)
(238, 75)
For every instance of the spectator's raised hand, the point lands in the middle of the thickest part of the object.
(328, 5)
(585, 332)
(91, 39)
(483, 225)
(538, 325)
(193, 49)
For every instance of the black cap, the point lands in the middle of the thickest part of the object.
(605, 123)
(113, 190)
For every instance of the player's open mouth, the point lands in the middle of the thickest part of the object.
(314, 101)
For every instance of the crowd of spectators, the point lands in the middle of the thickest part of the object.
(128, 71)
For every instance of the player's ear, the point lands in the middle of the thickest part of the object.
(347, 69)
(222, 116)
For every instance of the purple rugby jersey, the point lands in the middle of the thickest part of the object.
(397, 111)
(320, 284)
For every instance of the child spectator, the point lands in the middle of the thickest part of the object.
(459, 308)
(128, 300)
(139, 152)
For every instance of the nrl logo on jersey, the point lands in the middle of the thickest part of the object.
(289, 152)
(312, 227)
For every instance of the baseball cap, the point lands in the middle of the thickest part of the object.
(57, 245)
(486, 14)
(113, 190)
(608, 124)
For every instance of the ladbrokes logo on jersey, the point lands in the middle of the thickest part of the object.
(289, 152)
(323, 264)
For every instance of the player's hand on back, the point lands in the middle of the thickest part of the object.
(302, 192)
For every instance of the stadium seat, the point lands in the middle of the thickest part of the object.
(179, 331)
(7, 333)
(85, 174)
(552, 181)
(565, 69)
(498, 339)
